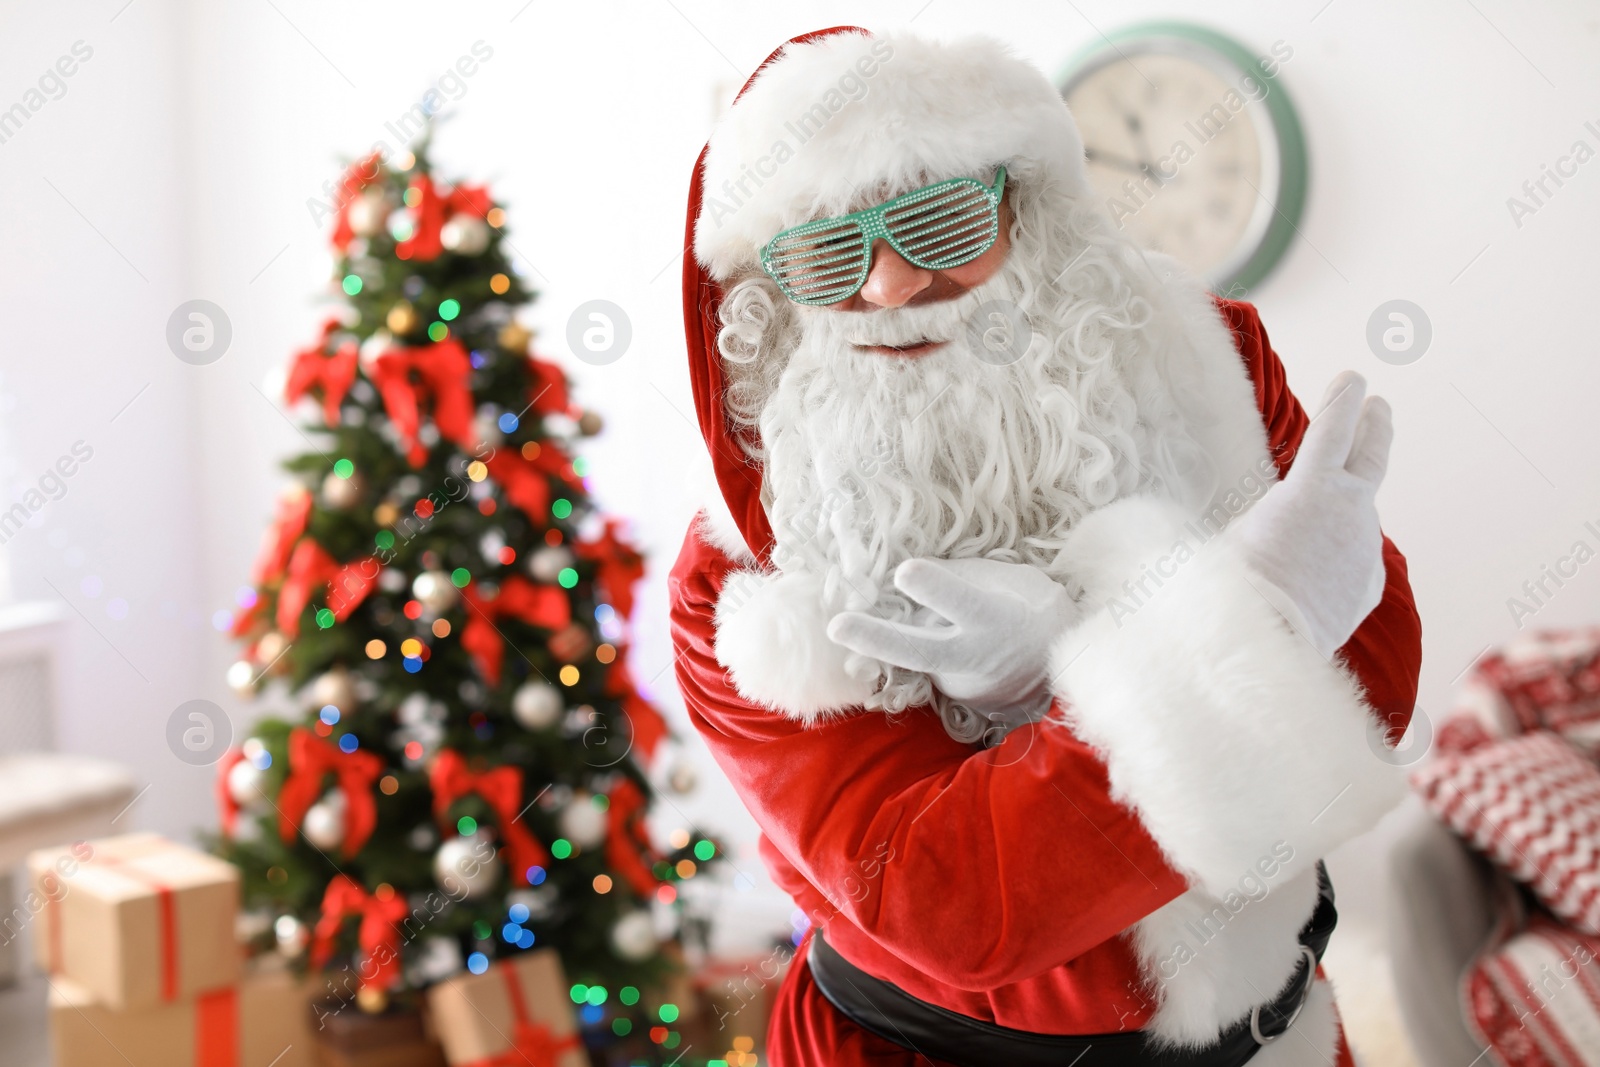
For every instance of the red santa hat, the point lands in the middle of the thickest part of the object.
(830, 122)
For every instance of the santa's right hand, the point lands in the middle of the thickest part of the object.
(988, 644)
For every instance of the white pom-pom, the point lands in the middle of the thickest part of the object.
(772, 637)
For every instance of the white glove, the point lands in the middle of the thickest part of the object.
(990, 651)
(1314, 536)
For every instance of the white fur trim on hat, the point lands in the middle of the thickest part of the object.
(839, 123)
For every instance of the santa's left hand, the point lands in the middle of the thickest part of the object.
(1314, 537)
(990, 650)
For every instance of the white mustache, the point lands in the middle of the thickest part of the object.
(900, 327)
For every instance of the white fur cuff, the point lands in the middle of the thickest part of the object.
(1223, 729)
(772, 637)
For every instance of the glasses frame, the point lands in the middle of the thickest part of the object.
(871, 223)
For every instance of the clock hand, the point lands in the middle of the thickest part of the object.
(1111, 159)
(1133, 166)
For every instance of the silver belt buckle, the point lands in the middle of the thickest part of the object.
(1311, 981)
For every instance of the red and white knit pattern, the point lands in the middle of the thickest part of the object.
(1535, 1000)
(1532, 805)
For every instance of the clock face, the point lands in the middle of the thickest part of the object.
(1181, 148)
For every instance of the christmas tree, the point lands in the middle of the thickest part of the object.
(444, 606)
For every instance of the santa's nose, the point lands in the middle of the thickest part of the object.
(892, 282)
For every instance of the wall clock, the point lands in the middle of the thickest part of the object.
(1192, 142)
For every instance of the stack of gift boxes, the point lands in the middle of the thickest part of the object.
(137, 934)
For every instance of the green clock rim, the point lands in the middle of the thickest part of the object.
(1293, 164)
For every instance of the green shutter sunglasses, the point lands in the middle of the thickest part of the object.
(937, 227)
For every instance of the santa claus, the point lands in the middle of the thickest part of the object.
(1048, 641)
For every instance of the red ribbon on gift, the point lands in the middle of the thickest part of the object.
(501, 788)
(311, 567)
(617, 566)
(403, 375)
(533, 1044)
(377, 935)
(627, 840)
(310, 760)
(167, 924)
(216, 1028)
(356, 178)
(330, 375)
(431, 210)
(545, 606)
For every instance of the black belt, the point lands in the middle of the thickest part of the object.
(950, 1037)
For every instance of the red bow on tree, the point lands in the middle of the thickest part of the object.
(547, 393)
(311, 759)
(311, 567)
(401, 375)
(377, 935)
(293, 515)
(617, 566)
(649, 728)
(527, 481)
(431, 210)
(545, 606)
(331, 376)
(501, 788)
(359, 175)
(228, 807)
(627, 841)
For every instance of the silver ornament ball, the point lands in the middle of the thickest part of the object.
(582, 822)
(466, 866)
(634, 936)
(323, 824)
(547, 563)
(536, 705)
(435, 590)
(466, 235)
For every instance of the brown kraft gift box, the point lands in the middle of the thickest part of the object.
(262, 1022)
(518, 1005)
(136, 920)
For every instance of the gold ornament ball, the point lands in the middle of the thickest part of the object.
(386, 513)
(340, 492)
(514, 337)
(402, 319)
(368, 213)
(270, 647)
(590, 423)
(335, 687)
(372, 1000)
(682, 780)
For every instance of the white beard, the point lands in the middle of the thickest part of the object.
(872, 460)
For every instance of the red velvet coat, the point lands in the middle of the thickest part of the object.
(992, 883)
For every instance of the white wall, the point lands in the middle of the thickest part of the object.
(197, 133)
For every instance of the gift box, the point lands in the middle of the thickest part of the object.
(261, 1022)
(734, 1002)
(519, 1010)
(137, 920)
(350, 1037)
